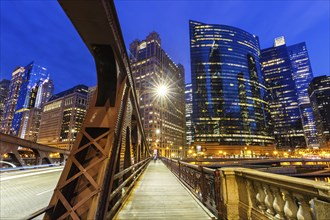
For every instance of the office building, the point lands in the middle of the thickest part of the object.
(162, 115)
(230, 111)
(189, 124)
(25, 96)
(287, 73)
(4, 89)
(303, 75)
(319, 93)
(62, 117)
(31, 118)
(11, 100)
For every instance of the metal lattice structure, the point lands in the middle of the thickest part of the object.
(110, 151)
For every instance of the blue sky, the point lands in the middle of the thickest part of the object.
(39, 30)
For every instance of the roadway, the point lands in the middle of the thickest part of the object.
(26, 191)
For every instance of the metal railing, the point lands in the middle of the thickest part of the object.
(201, 181)
(119, 194)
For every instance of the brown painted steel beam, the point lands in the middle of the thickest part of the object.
(105, 145)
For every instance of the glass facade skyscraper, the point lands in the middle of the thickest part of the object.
(319, 93)
(30, 123)
(287, 72)
(229, 95)
(29, 95)
(302, 76)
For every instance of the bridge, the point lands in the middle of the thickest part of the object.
(109, 173)
(40, 154)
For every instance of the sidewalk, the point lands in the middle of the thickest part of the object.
(158, 194)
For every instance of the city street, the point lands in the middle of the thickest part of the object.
(26, 191)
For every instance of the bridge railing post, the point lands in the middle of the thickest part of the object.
(218, 194)
(229, 194)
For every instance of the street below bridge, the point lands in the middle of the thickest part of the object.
(26, 191)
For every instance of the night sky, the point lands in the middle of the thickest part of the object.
(38, 30)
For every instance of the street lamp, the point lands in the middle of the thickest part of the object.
(161, 92)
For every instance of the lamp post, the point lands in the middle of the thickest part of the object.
(161, 91)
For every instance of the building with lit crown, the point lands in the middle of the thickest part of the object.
(62, 117)
(230, 111)
(319, 93)
(287, 72)
(162, 116)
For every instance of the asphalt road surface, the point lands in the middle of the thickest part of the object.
(27, 191)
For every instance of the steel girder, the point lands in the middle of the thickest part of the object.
(112, 138)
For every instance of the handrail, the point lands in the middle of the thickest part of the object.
(135, 176)
(39, 212)
(203, 182)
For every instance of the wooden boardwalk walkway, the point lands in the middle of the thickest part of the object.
(158, 194)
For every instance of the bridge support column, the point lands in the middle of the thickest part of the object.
(230, 193)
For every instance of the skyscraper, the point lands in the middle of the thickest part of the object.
(29, 95)
(163, 117)
(287, 73)
(62, 117)
(31, 118)
(4, 89)
(303, 75)
(189, 124)
(319, 93)
(229, 106)
(11, 100)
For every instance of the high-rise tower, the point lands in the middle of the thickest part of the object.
(319, 92)
(229, 95)
(4, 89)
(288, 72)
(163, 116)
(11, 100)
(189, 108)
(31, 118)
(29, 95)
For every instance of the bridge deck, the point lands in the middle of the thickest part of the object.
(158, 194)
